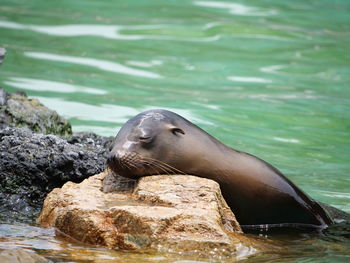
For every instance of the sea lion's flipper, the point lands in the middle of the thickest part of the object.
(336, 214)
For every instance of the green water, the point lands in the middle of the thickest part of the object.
(267, 77)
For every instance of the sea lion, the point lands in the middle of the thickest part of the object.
(163, 142)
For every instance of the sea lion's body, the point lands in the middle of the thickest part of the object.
(159, 141)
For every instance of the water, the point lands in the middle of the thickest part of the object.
(267, 77)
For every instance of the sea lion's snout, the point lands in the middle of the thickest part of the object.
(126, 164)
(111, 159)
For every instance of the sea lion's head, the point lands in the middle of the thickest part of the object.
(154, 142)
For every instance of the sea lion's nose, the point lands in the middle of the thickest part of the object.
(116, 156)
(111, 158)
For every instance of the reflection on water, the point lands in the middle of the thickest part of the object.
(149, 32)
(57, 247)
(249, 79)
(143, 64)
(97, 63)
(115, 31)
(236, 8)
(76, 30)
(50, 86)
(82, 111)
(286, 140)
(25, 236)
(272, 69)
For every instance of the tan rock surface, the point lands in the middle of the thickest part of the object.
(164, 212)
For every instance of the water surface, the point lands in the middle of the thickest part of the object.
(267, 77)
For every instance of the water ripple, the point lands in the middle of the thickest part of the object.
(97, 63)
(144, 64)
(52, 86)
(272, 69)
(74, 30)
(102, 113)
(163, 32)
(237, 9)
(286, 140)
(336, 194)
(249, 79)
(112, 31)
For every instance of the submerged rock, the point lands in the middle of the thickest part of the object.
(20, 256)
(18, 110)
(166, 213)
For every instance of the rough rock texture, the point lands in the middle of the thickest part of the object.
(18, 110)
(164, 213)
(90, 140)
(33, 164)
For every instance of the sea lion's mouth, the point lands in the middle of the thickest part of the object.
(127, 164)
(133, 165)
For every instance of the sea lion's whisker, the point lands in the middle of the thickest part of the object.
(158, 165)
(152, 164)
(132, 165)
(173, 169)
(164, 168)
(154, 169)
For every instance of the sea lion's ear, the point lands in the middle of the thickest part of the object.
(175, 130)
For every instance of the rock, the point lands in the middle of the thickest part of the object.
(20, 256)
(164, 213)
(115, 183)
(2, 54)
(33, 164)
(3, 97)
(89, 139)
(18, 110)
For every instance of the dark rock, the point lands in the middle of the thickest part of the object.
(90, 139)
(18, 110)
(3, 97)
(33, 164)
(2, 54)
